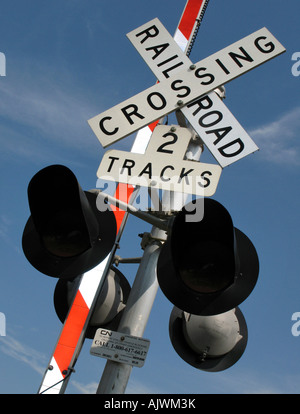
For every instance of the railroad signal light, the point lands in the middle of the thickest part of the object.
(209, 343)
(65, 235)
(107, 311)
(207, 267)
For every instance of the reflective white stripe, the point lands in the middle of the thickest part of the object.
(141, 141)
(180, 39)
(52, 377)
(90, 282)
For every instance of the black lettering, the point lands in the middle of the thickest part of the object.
(147, 170)
(207, 180)
(222, 66)
(162, 103)
(240, 148)
(174, 139)
(200, 102)
(134, 111)
(129, 164)
(184, 174)
(167, 61)
(211, 123)
(176, 88)
(151, 31)
(103, 129)
(220, 133)
(113, 159)
(104, 332)
(209, 75)
(163, 171)
(158, 49)
(269, 47)
(236, 58)
(166, 71)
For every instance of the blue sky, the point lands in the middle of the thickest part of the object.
(69, 60)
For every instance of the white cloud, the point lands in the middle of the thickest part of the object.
(38, 107)
(5, 232)
(249, 382)
(21, 352)
(137, 387)
(279, 140)
(90, 388)
(254, 382)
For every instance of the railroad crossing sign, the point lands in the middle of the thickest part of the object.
(211, 119)
(184, 87)
(162, 166)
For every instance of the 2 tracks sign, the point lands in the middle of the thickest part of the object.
(163, 165)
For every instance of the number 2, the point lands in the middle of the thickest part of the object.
(174, 139)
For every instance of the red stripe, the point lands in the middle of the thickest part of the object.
(70, 334)
(78, 314)
(153, 125)
(189, 16)
(79, 311)
(123, 193)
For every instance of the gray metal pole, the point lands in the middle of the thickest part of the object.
(135, 316)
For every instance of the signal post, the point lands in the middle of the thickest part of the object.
(204, 265)
(143, 292)
(135, 317)
(205, 268)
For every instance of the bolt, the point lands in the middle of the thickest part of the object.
(192, 67)
(173, 129)
(180, 102)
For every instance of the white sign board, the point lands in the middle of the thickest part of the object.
(159, 49)
(185, 86)
(163, 165)
(223, 135)
(120, 347)
(214, 123)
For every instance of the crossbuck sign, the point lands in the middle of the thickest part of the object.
(221, 133)
(178, 91)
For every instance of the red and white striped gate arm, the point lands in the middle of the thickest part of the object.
(189, 23)
(72, 334)
(71, 337)
(184, 35)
